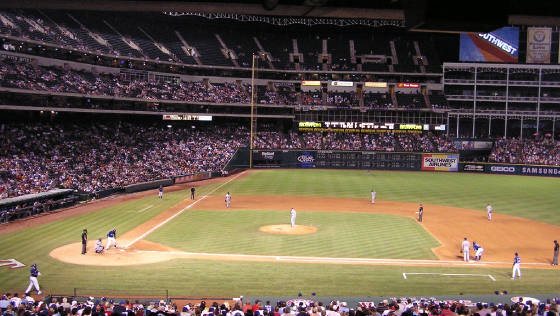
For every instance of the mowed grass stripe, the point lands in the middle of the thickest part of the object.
(529, 197)
(338, 235)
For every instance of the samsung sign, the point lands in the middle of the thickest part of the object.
(541, 171)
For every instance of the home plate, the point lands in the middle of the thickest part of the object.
(122, 250)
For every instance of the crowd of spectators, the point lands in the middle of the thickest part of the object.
(343, 99)
(39, 157)
(14, 305)
(353, 141)
(23, 75)
(543, 151)
(378, 100)
(53, 79)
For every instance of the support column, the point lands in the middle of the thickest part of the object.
(489, 125)
(457, 125)
(539, 101)
(521, 136)
(507, 103)
(474, 102)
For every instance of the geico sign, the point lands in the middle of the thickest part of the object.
(502, 169)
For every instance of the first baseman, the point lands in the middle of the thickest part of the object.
(111, 238)
(33, 282)
(373, 193)
(228, 199)
(420, 212)
(489, 211)
(465, 248)
(293, 217)
(516, 266)
(160, 191)
(479, 250)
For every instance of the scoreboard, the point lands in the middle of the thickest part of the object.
(367, 160)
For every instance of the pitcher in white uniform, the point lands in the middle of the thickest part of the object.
(293, 217)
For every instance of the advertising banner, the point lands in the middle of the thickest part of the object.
(501, 169)
(306, 159)
(538, 45)
(472, 167)
(540, 171)
(440, 162)
(500, 45)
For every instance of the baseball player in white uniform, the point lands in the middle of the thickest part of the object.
(293, 217)
(516, 266)
(373, 193)
(228, 199)
(33, 282)
(489, 211)
(465, 247)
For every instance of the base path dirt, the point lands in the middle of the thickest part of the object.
(500, 237)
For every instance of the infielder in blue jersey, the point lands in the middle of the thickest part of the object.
(111, 238)
(160, 192)
(33, 274)
(478, 251)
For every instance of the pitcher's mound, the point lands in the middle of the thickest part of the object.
(287, 229)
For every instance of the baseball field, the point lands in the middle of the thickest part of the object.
(342, 245)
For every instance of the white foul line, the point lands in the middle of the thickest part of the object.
(145, 209)
(450, 274)
(178, 213)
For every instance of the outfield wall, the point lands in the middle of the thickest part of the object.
(337, 159)
(511, 169)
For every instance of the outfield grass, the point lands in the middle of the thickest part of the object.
(530, 197)
(351, 235)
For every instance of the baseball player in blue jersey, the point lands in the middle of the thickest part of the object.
(479, 250)
(160, 192)
(111, 238)
(33, 282)
(516, 266)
